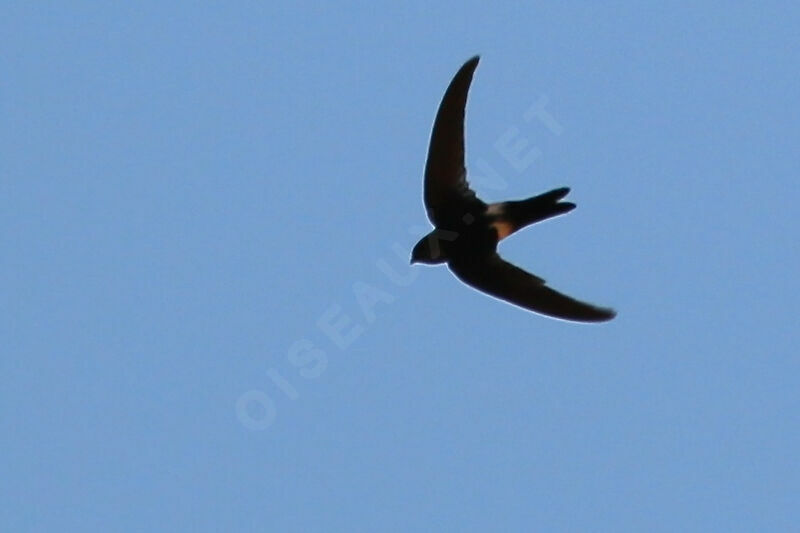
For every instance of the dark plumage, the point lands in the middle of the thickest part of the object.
(468, 230)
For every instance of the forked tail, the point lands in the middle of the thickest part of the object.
(515, 215)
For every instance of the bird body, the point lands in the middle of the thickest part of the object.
(467, 230)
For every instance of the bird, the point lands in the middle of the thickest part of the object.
(467, 230)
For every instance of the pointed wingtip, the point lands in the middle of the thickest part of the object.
(464, 75)
(609, 314)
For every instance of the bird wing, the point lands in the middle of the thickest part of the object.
(507, 282)
(446, 186)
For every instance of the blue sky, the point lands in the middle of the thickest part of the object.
(208, 318)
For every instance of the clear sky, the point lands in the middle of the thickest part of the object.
(208, 318)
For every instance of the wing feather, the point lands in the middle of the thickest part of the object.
(509, 283)
(446, 186)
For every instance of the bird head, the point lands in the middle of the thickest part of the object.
(427, 251)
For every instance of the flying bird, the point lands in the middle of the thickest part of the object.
(467, 230)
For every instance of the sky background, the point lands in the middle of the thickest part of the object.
(208, 321)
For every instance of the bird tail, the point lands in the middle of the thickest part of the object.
(515, 215)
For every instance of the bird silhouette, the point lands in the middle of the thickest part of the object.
(467, 230)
